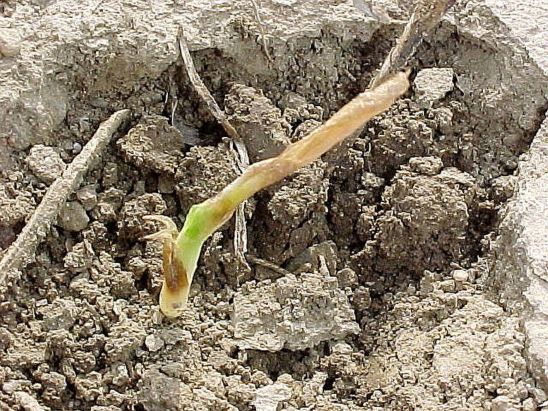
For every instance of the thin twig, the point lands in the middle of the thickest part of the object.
(22, 251)
(240, 151)
(267, 264)
(425, 17)
(261, 29)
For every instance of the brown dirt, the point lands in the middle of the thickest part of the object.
(380, 302)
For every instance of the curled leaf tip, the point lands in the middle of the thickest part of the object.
(176, 285)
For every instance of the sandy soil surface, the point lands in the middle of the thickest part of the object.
(370, 282)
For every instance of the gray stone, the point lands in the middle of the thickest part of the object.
(501, 403)
(347, 277)
(529, 405)
(73, 217)
(154, 343)
(10, 43)
(28, 402)
(87, 196)
(310, 259)
(61, 314)
(460, 276)
(258, 122)
(160, 392)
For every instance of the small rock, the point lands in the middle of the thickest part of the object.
(538, 394)
(9, 387)
(76, 148)
(45, 163)
(529, 405)
(361, 300)
(347, 277)
(309, 260)
(258, 121)
(89, 386)
(292, 313)
(153, 144)
(502, 188)
(53, 386)
(460, 276)
(160, 392)
(10, 44)
(154, 343)
(28, 402)
(428, 166)
(120, 375)
(501, 403)
(268, 398)
(448, 286)
(59, 315)
(87, 197)
(259, 378)
(124, 340)
(433, 84)
(73, 217)
(341, 347)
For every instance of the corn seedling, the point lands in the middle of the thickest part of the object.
(181, 250)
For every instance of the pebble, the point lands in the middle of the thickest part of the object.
(501, 403)
(538, 394)
(73, 217)
(448, 286)
(76, 148)
(9, 43)
(87, 196)
(529, 405)
(433, 84)
(153, 343)
(347, 278)
(28, 402)
(268, 398)
(460, 276)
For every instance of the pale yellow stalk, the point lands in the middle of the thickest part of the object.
(181, 252)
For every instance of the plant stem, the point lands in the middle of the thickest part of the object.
(180, 258)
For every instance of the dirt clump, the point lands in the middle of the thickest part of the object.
(258, 122)
(153, 144)
(296, 213)
(424, 223)
(203, 173)
(433, 84)
(274, 316)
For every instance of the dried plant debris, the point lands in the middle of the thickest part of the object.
(23, 249)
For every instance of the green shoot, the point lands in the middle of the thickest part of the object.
(181, 251)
